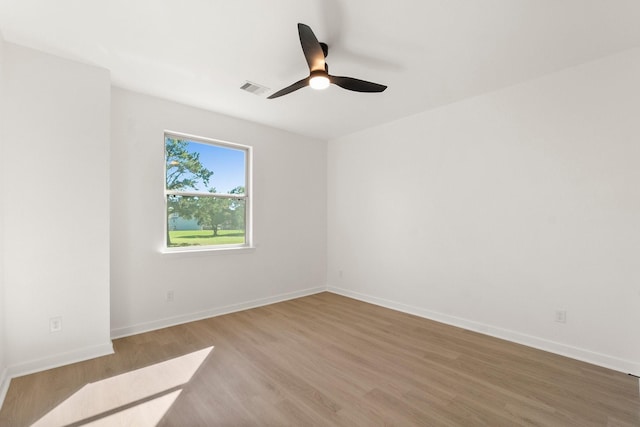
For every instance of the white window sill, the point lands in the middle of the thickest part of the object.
(208, 250)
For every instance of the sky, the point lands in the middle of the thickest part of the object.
(227, 164)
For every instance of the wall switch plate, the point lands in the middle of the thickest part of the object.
(55, 324)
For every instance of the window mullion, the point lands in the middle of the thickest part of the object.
(198, 194)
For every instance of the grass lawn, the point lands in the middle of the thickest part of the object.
(205, 237)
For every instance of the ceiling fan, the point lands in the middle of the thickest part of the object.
(319, 77)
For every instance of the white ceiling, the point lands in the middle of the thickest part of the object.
(429, 52)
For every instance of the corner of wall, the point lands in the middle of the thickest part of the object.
(4, 380)
(69, 101)
(515, 204)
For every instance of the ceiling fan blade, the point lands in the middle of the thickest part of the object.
(311, 48)
(297, 85)
(356, 85)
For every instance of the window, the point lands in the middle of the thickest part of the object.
(207, 193)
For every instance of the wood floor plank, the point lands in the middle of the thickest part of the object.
(328, 360)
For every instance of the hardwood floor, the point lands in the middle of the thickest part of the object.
(327, 360)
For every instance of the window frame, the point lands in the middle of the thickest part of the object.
(247, 196)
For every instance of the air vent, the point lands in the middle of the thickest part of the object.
(254, 88)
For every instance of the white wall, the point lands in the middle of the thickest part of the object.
(495, 212)
(4, 383)
(55, 166)
(289, 211)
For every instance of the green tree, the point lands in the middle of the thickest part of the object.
(184, 171)
(211, 212)
(237, 208)
(217, 212)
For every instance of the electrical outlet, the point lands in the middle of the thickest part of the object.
(55, 324)
(169, 296)
(340, 274)
(561, 316)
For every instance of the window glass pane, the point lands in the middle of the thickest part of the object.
(205, 221)
(198, 166)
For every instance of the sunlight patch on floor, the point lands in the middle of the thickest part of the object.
(147, 414)
(146, 393)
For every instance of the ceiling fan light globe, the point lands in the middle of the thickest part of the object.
(319, 82)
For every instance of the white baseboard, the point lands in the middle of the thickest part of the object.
(213, 312)
(80, 355)
(60, 359)
(610, 362)
(50, 362)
